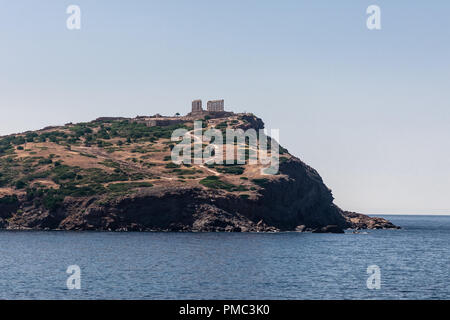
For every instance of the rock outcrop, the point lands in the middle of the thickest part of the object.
(361, 221)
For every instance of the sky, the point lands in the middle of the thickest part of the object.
(368, 109)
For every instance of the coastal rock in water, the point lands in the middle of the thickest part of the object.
(361, 221)
(329, 229)
(300, 228)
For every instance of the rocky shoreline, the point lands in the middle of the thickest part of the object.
(299, 202)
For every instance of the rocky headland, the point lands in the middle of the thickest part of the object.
(115, 174)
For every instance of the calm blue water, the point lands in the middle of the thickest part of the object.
(414, 264)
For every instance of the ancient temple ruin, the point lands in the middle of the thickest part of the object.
(211, 106)
(197, 106)
(214, 109)
(215, 106)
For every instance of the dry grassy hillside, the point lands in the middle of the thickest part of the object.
(112, 158)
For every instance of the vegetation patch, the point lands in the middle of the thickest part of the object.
(260, 182)
(110, 163)
(230, 169)
(214, 182)
(9, 199)
(88, 155)
(172, 165)
(184, 171)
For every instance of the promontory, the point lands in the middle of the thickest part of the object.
(117, 174)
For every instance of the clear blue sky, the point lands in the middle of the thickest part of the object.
(370, 110)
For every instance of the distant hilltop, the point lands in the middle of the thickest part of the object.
(214, 109)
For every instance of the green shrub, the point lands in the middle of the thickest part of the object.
(232, 169)
(45, 161)
(184, 171)
(283, 150)
(135, 131)
(18, 140)
(260, 182)
(52, 200)
(110, 163)
(29, 137)
(81, 129)
(283, 159)
(137, 176)
(34, 193)
(96, 175)
(214, 182)
(63, 172)
(222, 125)
(9, 199)
(87, 155)
(20, 184)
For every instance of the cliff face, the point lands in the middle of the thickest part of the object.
(157, 196)
(298, 203)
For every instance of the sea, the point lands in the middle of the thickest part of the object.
(410, 263)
